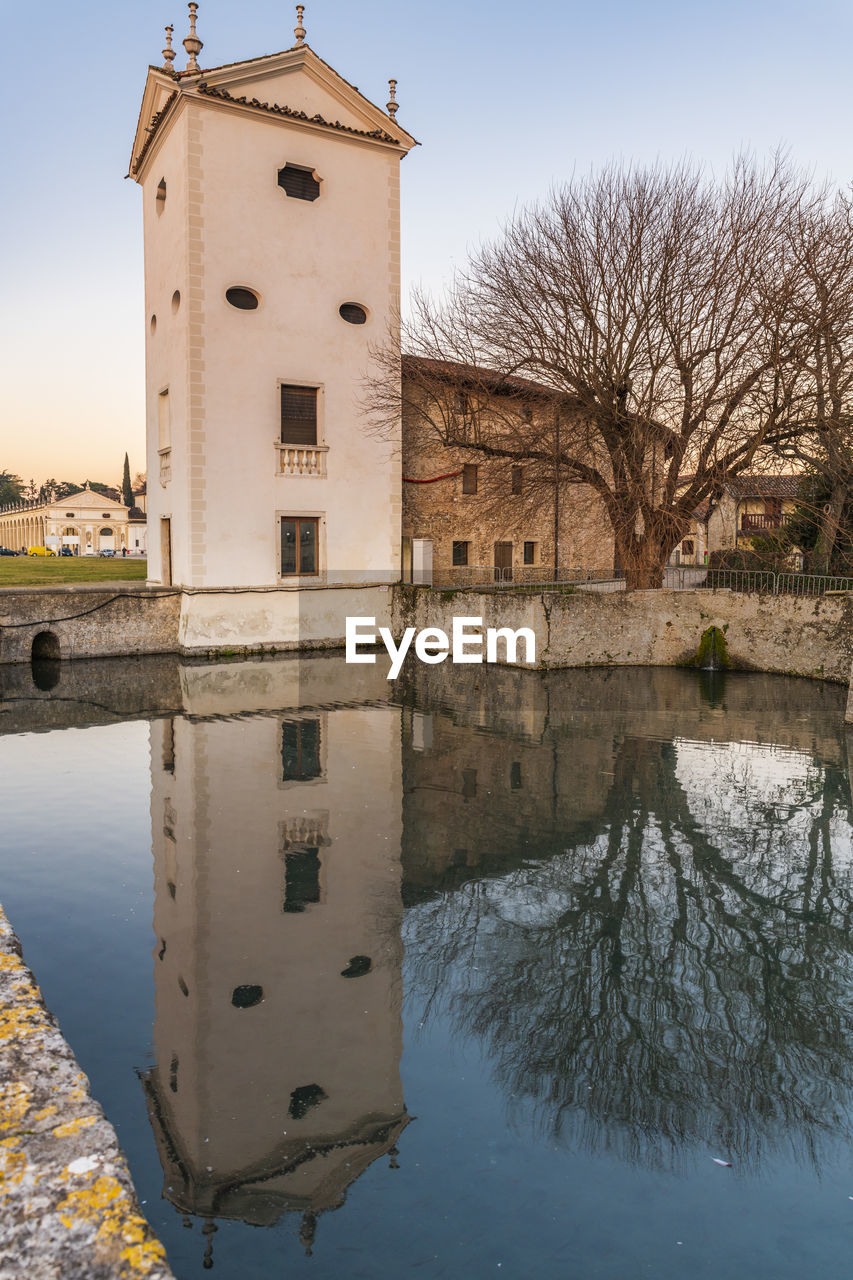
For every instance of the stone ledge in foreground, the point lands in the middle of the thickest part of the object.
(68, 1209)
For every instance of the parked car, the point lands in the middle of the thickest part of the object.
(7, 551)
(66, 551)
(107, 553)
(40, 551)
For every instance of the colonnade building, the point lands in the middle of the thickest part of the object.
(86, 522)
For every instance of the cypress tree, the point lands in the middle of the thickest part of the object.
(126, 487)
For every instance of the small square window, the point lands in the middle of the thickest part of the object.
(460, 553)
(470, 477)
(530, 553)
(516, 479)
(688, 547)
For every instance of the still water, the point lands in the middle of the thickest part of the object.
(476, 977)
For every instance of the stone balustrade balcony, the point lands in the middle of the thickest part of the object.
(302, 459)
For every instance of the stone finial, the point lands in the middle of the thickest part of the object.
(192, 44)
(299, 29)
(392, 106)
(168, 52)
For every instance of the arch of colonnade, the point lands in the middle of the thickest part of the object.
(19, 529)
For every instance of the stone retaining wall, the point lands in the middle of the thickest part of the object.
(805, 636)
(98, 620)
(810, 635)
(68, 1210)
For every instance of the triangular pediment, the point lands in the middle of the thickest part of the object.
(302, 82)
(161, 94)
(89, 499)
(295, 85)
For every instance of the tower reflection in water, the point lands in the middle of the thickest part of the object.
(636, 894)
(278, 912)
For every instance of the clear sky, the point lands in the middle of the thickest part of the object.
(506, 98)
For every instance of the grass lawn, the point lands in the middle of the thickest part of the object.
(46, 571)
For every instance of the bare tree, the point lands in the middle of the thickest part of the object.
(649, 311)
(820, 244)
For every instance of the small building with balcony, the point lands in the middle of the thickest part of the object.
(750, 506)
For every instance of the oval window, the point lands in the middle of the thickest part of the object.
(176, 301)
(247, 997)
(353, 313)
(242, 299)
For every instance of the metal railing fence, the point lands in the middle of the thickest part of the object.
(674, 578)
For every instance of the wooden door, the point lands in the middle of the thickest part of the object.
(166, 552)
(503, 562)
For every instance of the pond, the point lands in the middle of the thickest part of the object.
(488, 972)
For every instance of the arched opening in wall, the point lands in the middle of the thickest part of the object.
(45, 664)
(45, 647)
(161, 196)
(176, 301)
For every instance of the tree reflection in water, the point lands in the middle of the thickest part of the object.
(676, 974)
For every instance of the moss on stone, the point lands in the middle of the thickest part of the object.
(713, 653)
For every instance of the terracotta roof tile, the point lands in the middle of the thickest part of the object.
(275, 109)
(475, 375)
(755, 486)
(151, 130)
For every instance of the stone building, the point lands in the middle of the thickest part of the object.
(749, 506)
(471, 518)
(270, 192)
(85, 522)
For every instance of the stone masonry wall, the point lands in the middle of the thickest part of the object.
(68, 1210)
(93, 621)
(807, 636)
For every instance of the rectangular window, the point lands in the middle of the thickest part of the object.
(530, 553)
(299, 539)
(298, 415)
(300, 750)
(516, 479)
(469, 477)
(168, 746)
(687, 547)
(301, 879)
(460, 552)
(164, 421)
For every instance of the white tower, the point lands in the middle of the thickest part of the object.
(271, 223)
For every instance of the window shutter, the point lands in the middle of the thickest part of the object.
(298, 182)
(299, 415)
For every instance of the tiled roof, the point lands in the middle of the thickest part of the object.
(474, 375)
(275, 109)
(151, 129)
(753, 486)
